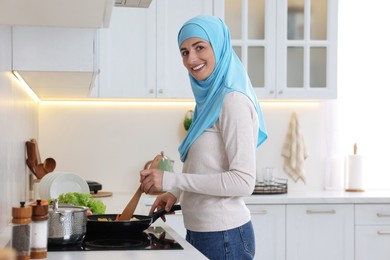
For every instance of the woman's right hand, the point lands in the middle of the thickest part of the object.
(163, 201)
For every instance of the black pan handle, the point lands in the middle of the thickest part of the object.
(162, 212)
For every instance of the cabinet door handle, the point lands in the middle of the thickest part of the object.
(321, 211)
(382, 215)
(383, 233)
(260, 212)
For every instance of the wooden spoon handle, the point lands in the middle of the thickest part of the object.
(37, 150)
(130, 208)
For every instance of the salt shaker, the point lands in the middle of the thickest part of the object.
(40, 217)
(21, 231)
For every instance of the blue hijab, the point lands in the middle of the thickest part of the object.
(228, 75)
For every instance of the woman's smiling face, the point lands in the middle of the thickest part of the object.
(198, 57)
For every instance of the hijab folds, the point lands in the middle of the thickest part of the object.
(228, 75)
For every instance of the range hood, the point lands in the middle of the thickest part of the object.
(57, 13)
(63, 13)
(133, 3)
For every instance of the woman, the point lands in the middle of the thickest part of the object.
(219, 150)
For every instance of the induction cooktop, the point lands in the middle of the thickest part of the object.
(153, 238)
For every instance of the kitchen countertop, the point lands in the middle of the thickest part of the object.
(320, 197)
(317, 197)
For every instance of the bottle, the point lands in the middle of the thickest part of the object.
(21, 231)
(40, 217)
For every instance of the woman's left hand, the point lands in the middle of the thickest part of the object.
(151, 180)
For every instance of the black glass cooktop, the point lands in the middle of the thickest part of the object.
(153, 238)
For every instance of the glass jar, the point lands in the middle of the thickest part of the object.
(21, 231)
(40, 219)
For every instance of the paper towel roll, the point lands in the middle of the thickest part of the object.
(355, 172)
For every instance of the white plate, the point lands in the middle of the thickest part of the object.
(67, 182)
(44, 184)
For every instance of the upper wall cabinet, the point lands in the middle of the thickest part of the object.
(60, 13)
(56, 63)
(6, 48)
(289, 47)
(139, 56)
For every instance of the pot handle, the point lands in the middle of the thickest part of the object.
(55, 205)
(162, 212)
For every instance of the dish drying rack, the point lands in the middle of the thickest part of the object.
(277, 186)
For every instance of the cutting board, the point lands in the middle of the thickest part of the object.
(102, 194)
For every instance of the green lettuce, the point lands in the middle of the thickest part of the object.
(82, 199)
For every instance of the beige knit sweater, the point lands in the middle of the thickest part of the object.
(219, 170)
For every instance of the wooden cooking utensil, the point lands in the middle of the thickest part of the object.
(49, 165)
(32, 160)
(34, 141)
(128, 212)
(40, 172)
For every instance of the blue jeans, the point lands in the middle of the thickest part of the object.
(236, 243)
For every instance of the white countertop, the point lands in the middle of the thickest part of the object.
(337, 197)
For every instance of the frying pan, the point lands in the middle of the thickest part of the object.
(122, 228)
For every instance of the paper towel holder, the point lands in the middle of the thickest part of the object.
(354, 189)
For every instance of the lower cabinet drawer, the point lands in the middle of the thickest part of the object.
(372, 242)
(372, 214)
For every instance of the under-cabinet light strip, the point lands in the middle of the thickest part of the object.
(170, 103)
(25, 86)
(151, 103)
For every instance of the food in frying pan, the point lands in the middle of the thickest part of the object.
(117, 217)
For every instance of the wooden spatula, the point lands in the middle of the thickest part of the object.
(128, 212)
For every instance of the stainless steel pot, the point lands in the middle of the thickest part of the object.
(67, 224)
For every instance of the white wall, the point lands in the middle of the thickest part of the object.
(18, 123)
(110, 143)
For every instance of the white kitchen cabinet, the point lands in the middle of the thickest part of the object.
(127, 56)
(172, 77)
(269, 226)
(56, 62)
(289, 47)
(320, 232)
(58, 13)
(5, 49)
(139, 55)
(372, 231)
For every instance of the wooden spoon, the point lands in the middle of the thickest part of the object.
(49, 165)
(128, 212)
